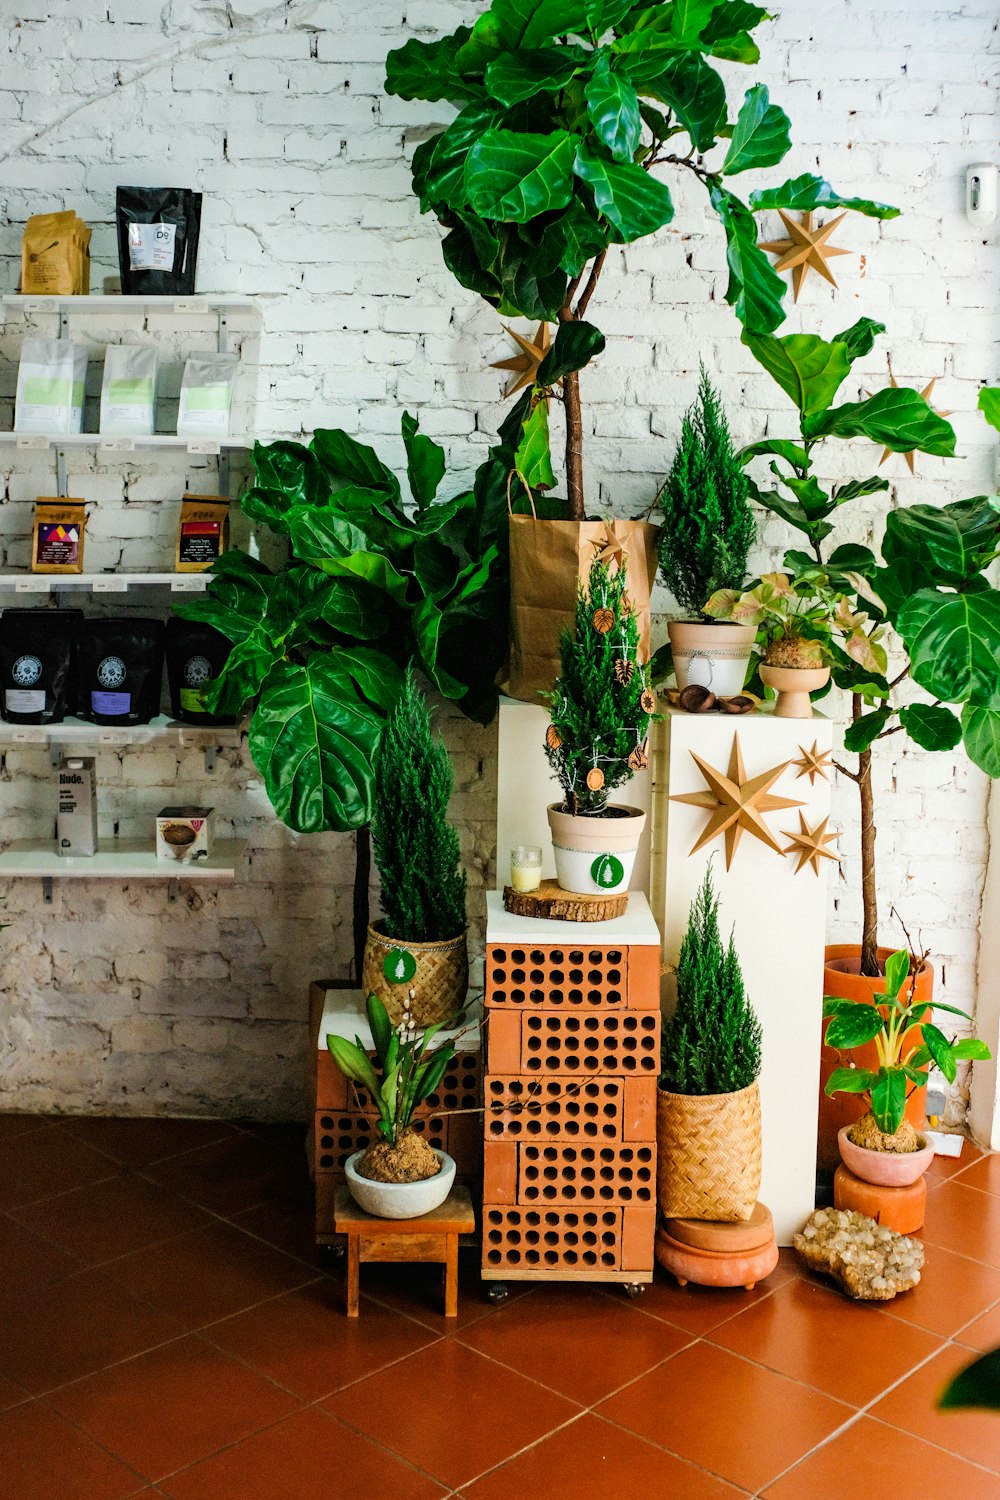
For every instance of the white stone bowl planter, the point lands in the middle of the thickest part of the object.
(595, 856)
(399, 1200)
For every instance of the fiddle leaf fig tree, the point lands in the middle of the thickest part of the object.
(567, 112)
(931, 584)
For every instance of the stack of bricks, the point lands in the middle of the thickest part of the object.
(569, 1156)
(343, 1116)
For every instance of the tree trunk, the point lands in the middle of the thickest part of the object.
(362, 910)
(574, 444)
(869, 930)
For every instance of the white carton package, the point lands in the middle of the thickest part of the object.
(128, 390)
(76, 819)
(184, 834)
(51, 377)
(206, 396)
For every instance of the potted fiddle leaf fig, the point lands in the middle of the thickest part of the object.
(570, 117)
(707, 532)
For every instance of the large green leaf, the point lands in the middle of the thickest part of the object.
(613, 107)
(808, 192)
(760, 135)
(425, 462)
(939, 1048)
(604, 13)
(977, 1385)
(575, 345)
(236, 599)
(632, 201)
(429, 70)
(351, 462)
(465, 262)
(808, 369)
(515, 76)
(689, 85)
(989, 405)
(727, 34)
(291, 471)
(514, 176)
(439, 164)
(855, 488)
(518, 25)
(854, 1027)
(954, 643)
(889, 1099)
(755, 291)
(793, 453)
(865, 731)
(574, 238)
(377, 677)
(896, 416)
(860, 337)
(313, 740)
(246, 667)
(532, 287)
(930, 726)
(981, 735)
(957, 538)
(533, 460)
(849, 1081)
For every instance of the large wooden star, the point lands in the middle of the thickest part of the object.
(810, 844)
(806, 249)
(814, 762)
(525, 365)
(911, 455)
(736, 804)
(611, 548)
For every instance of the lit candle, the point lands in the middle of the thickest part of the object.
(526, 867)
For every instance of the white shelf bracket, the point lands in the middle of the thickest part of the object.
(47, 889)
(62, 484)
(211, 752)
(64, 323)
(173, 890)
(55, 754)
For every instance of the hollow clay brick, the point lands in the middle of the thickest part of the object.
(556, 978)
(552, 1240)
(500, 1171)
(638, 1227)
(601, 1174)
(564, 1107)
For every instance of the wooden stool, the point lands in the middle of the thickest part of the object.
(899, 1208)
(431, 1237)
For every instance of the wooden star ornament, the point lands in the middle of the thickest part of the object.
(806, 249)
(525, 365)
(911, 455)
(810, 844)
(813, 763)
(737, 804)
(611, 549)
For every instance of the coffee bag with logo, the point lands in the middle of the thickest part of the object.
(203, 532)
(38, 657)
(206, 396)
(122, 668)
(128, 390)
(55, 256)
(57, 543)
(51, 376)
(158, 232)
(196, 654)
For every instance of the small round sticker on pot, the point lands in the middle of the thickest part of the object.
(398, 966)
(607, 872)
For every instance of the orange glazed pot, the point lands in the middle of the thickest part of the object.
(841, 977)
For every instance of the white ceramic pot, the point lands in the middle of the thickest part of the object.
(712, 655)
(595, 856)
(399, 1200)
(793, 686)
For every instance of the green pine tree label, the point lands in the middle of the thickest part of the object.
(398, 966)
(607, 872)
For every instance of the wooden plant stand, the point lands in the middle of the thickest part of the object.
(551, 903)
(431, 1237)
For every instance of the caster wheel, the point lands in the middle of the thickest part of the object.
(498, 1293)
(633, 1289)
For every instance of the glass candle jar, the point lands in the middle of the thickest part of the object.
(526, 867)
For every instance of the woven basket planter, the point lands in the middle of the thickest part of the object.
(708, 1154)
(439, 982)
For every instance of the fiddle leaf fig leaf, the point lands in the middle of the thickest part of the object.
(574, 238)
(931, 726)
(514, 176)
(289, 472)
(425, 462)
(808, 369)
(755, 290)
(237, 597)
(957, 538)
(727, 34)
(439, 164)
(864, 731)
(953, 642)
(632, 201)
(613, 107)
(810, 192)
(519, 25)
(855, 488)
(515, 76)
(791, 452)
(533, 461)
(989, 405)
(351, 462)
(977, 1385)
(689, 85)
(981, 736)
(761, 134)
(860, 337)
(575, 345)
(896, 416)
(429, 70)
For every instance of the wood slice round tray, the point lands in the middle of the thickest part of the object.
(554, 904)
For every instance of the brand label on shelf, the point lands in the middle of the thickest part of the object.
(117, 445)
(35, 440)
(203, 447)
(110, 585)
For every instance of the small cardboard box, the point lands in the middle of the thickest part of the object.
(76, 818)
(184, 833)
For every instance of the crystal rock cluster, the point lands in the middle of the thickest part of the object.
(870, 1262)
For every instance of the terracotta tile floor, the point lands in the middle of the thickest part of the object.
(168, 1327)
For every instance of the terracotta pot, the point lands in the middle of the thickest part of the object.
(711, 654)
(399, 1200)
(841, 977)
(885, 1168)
(439, 977)
(793, 686)
(594, 856)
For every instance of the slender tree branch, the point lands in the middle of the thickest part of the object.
(591, 287)
(844, 771)
(899, 678)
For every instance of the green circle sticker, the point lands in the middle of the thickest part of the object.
(398, 966)
(607, 871)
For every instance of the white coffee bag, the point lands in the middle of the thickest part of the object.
(128, 390)
(50, 382)
(206, 396)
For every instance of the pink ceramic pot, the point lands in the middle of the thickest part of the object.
(885, 1168)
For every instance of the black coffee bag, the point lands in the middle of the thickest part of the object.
(196, 654)
(158, 233)
(122, 670)
(38, 656)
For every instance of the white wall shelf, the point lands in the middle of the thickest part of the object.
(105, 443)
(119, 859)
(81, 732)
(104, 583)
(95, 303)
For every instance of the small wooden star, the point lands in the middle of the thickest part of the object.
(611, 549)
(810, 844)
(814, 762)
(806, 249)
(525, 365)
(736, 804)
(926, 393)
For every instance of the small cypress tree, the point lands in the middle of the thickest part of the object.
(712, 1042)
(416, 848)
(708, 525)
(601, 703)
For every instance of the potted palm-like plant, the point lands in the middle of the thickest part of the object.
(420, 941)
(708, 1104)
(399, 1176)
(883, 1147)
(708, 530)
(600, 708)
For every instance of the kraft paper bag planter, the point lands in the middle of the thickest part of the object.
(50, 382)
(547, 560)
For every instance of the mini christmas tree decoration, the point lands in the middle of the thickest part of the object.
(737, 804)
(806, 249)
(813, 763)
(525, 365)
(810, 844)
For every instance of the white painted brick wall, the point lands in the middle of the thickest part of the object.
(117, 998)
